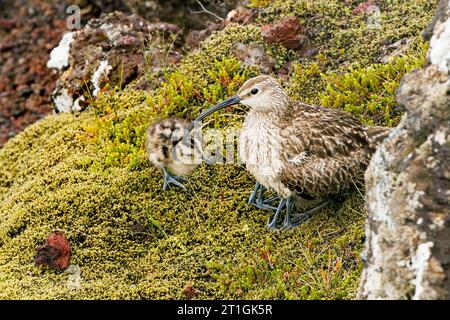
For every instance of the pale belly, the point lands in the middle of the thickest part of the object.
(260, 150)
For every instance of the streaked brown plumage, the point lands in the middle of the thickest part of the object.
(334, 148)
(167, 148)
(305, 153)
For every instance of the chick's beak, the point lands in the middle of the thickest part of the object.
(228, 102)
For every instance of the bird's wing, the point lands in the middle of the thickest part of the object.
(324, 150)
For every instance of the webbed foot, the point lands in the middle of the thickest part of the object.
(295, 219)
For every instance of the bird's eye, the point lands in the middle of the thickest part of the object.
(254, 91)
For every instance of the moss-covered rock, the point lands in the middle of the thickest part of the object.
(87, 176)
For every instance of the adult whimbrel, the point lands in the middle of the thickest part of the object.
(307, 154)
(168, 150)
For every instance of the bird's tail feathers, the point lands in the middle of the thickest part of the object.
(377, 135)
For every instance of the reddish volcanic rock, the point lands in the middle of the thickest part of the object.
(288, 32)
(54, 253)
(363, 8)
(28, 32)
(7, 24)
(26, 38)
(190, 292)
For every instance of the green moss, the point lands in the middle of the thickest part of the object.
(133, 241)
(369, 93)
(307, 81)
(347, 73)
(87, 176)
(99, 207)
(183, 95)
(347, 39)
(259, 3)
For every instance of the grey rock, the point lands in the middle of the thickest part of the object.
(407, 250)
(254, 55)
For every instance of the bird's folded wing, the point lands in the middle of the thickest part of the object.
(324, 151)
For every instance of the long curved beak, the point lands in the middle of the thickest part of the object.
(228, 102)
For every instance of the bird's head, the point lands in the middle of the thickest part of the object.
(261, 94)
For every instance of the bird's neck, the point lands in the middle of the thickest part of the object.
(261, 120)
(277, 110)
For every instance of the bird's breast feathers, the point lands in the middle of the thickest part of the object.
(261, 151)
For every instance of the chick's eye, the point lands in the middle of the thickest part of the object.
(254, 91)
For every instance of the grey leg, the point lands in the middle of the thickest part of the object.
(289, 210)
(260, 199)
(170, 179)
(252, 198)
(265, 204)
(257, 198)
(273, 223)
(207, 160)
(271, 200)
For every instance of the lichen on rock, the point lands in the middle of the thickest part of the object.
(110, 51)
(407, 184)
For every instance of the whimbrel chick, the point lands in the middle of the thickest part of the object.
(306, 154)
(169, 149)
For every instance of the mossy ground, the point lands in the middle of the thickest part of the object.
(133, 241)
(87, 176)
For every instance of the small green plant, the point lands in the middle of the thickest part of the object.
(156, 53)
(179, 94)
(369, 93)
(307, 81)
(259, 3)
(122, 125)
